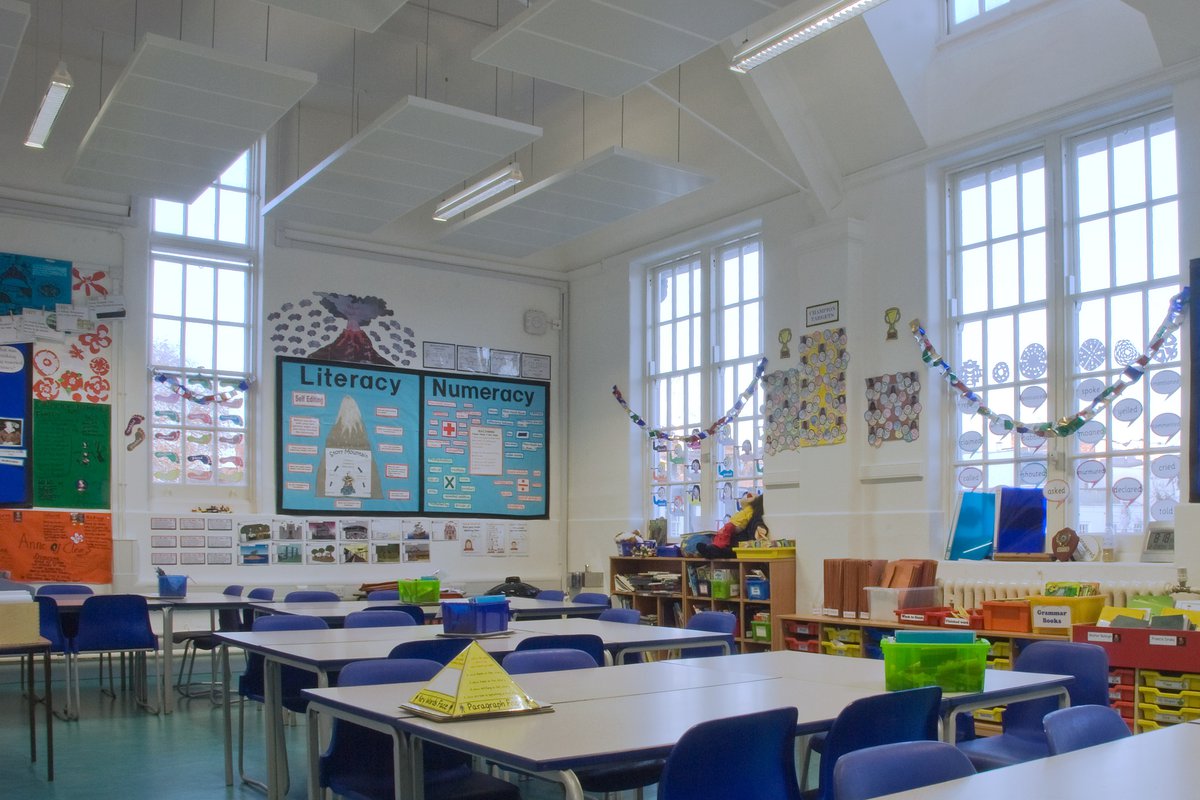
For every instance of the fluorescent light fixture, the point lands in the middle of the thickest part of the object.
(476, 193)
(799, 32)
(56, 94)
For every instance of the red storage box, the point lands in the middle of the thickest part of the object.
(802, 645)
(1006, 615)
(1121, 676)
(973, 620)
(919, 616)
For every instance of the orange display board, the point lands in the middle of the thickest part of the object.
(56, 545)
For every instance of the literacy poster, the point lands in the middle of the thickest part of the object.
(348, 439)
(72, 461)
(16, 425)
(485, 447)
(57, 545)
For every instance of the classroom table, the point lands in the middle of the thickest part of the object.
(582, 730)
(31, 649)
(326, 651)
(999, 686)
(625, 727)
(332, 611)
(520, 608)
(1155, 764)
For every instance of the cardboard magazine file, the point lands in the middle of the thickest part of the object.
(832, 605)
(471, 686)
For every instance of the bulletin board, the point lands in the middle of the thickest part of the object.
(372, 440)
(51, 546)
(72, 456)
(16, 426)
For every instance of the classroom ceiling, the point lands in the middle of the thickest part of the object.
(622, 114)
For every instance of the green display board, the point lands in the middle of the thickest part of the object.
(72, 456)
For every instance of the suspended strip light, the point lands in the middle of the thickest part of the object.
(699, 436)
(476, 193)
(799, 32)
(56, 95)
(1066, 426)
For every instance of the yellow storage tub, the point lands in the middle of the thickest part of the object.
(1056, 615)
(999, 663)
(1171, 681)
(842, 649)
(852, 635)
(990, 714)
(763, 553)
(1169, 699)
(1171, 716)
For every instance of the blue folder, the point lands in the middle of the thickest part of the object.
(974, 526)
(1020, 521)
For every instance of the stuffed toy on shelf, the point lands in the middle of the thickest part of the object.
(747, 524)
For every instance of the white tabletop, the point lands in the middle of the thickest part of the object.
(326, 609)
(204, 600)
(254, 640)
(583, 732)
(1156, 764)
(622, 635)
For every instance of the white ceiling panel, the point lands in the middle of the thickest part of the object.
(608, 47)
(178, 117)
(608, 187)
(14, 16)
(364, 15)
(408, 156)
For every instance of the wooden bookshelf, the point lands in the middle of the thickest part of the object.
(673, 604)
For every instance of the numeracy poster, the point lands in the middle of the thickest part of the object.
(485, 447)
(349, 438)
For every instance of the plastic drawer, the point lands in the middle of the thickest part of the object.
(1148, 694)
(1171, 681)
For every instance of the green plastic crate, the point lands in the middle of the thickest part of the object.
(421, 590)
(954, 667)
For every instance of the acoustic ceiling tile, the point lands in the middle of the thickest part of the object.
(14, 17)
(179, 115)
(364, 15)
(410, 155)
(608, 47)
(605, 188)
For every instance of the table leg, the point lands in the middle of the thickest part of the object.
(227, 714)
(32, 706)
(49, 716)
(166, 693)
(314, 755)
(277, 769)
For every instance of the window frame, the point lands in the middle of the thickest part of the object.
(722, 380)
(1062, 302)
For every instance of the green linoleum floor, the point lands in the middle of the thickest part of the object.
(118, 751)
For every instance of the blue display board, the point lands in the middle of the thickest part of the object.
(16, 428)
(32, 282)
(485, 447)
(349, 438)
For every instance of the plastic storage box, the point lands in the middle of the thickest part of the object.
(758, 589)
(477, 615)
(954, 667)
(1006, 615)
(172, 586)
(421, 590)
(885, 602)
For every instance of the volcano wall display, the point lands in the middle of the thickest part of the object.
(367, 439)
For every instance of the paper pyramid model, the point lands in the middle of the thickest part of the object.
(472, 684)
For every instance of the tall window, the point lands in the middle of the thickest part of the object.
(202, 263)
(705, 340)
(1061, 276)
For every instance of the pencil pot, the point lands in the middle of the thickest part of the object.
(172, 585)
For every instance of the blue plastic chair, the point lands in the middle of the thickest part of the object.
(442, 651)
(416, 612)
(589, 643)
(716, 622)
(50, 628)
(311, 596)
(745, 756)
(384, 594)
(551, 594)
(1078, 727)
(887, 768)
(251, 684)
(551, 659)
(906, 716)
(359, 762)
(64, 588)
(630, 616)
(379, 618)
(595, 598)
(1024, 738)
(263, 593)
(115, 623)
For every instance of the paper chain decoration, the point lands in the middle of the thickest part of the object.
(693, 438)
(178, 388)
(1066, 426)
